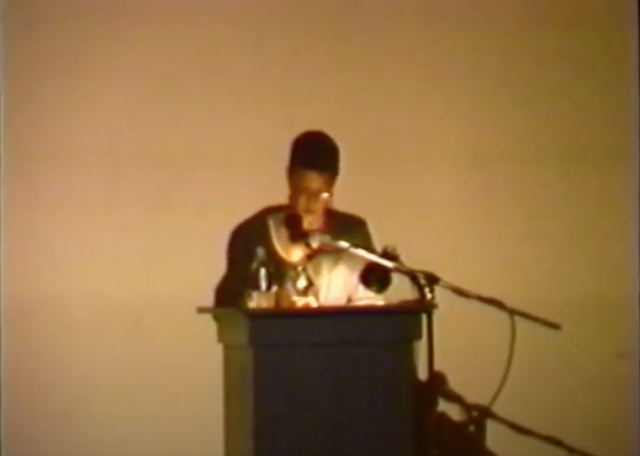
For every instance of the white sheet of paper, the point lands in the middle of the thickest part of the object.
(337, 281)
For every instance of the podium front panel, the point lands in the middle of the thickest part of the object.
(320, 385)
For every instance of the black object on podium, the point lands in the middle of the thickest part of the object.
(320, 381)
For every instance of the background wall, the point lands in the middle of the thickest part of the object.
(493, 142)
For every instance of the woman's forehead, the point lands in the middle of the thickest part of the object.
(312, 180)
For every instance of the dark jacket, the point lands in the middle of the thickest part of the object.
(253, 233)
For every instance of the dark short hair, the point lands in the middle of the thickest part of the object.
(315, 150)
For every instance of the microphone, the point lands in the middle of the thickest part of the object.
(319, 240)
(424, 280)
(376, 274)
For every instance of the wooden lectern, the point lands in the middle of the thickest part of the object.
(328, 381)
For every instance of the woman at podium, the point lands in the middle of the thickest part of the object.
(268, 252)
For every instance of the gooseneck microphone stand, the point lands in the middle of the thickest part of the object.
(478, 415)
(425, 283)
(487, 413)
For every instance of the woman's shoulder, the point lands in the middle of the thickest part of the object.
(255, 226)
(351, 228)
(259, 219)
(348, 224)
(347, 218)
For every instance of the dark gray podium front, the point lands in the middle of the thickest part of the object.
(319, 382)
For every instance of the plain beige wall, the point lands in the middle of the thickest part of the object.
(493, 142)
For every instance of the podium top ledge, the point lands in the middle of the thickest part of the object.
(337, 310)
(401, 307)
(324, 325)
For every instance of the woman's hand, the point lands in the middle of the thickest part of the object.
(307, 301)
(285, 300)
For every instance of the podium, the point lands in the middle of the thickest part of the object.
(319, 381)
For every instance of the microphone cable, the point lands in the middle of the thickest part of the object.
(512, 343)
(509, 362)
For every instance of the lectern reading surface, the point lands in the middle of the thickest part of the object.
(324, 381)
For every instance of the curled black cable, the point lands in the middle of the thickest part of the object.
(508, 365)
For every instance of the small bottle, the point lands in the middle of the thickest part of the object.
(263, 275)
(260, 283)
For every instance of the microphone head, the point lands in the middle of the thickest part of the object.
(377, 278)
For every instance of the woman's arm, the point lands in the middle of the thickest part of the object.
(232, 288)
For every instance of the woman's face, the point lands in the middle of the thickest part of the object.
(310, 195)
